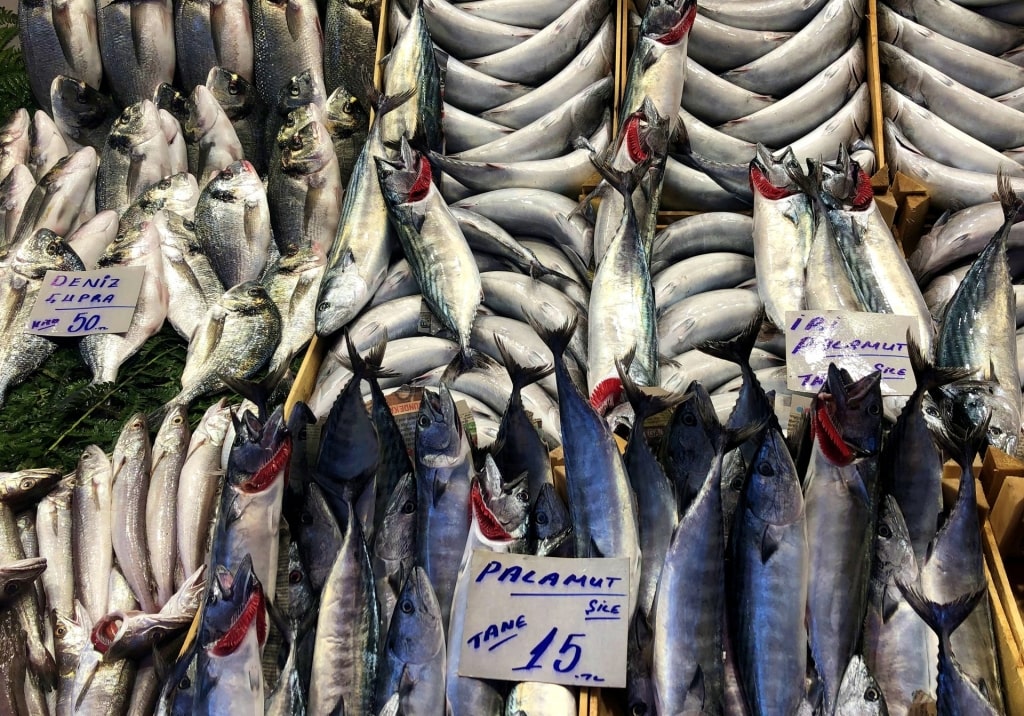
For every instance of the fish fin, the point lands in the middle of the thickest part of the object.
(890, 603)
(927, 375)
(943, 619)
(556, 339)
(520, 375)
(382, 103)
(1012, 203)
(857, 488)
(339, 707)
(769, 544)
(961, 441)
(622, 182)
(370, 367)
(984, 689)
(440, 487)
(644, 403)
(258, 391)
(696, 688)
(737, 349)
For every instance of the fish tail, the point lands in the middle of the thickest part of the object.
(370, 366)
(738, 349)
(258, 391)
(521, 376)
(1012, 203)
(556, 339)
(928, 376)
(943, 619)
(623, 182)
(644, 403)
(959, 437)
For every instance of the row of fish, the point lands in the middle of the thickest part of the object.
(953, 98)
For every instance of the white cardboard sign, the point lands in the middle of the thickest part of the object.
(859, 342)
(77, 303)
(559, 621)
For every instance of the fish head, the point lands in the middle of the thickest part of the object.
(344, 115)
(174, 431)
(232, 91)
(406, 180)
(301, 89)
(894, 552)
(238, 182)
(974, 402)
(42, 251)
(132, 443)
(309, 150)
(438, 428)
(17, 577)
(399, 520)
(25, 485)
(122, 634)
(846, 418)
(176, 193)
(296, 120)
(71, 631)
(859, 693)
(772, 491)
(668, 21)
(16, 128)
(178, 693)
(203, 112)
(214, 424)
(845, 183)
(79, 166)
(301, 598)
(501, 507)
(551, 520)
(260, 453)
(417, 633)
(645, 133)
(772, 175)
(170, 98)
(234, 603)
(78, 105)
(136, 124)
(317, 533)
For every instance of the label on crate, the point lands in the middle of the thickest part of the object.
(859, 342)
(560, 621)
(77, 303)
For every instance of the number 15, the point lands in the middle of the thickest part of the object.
(542, 646)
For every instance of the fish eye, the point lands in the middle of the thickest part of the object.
(541, 518)
(523, 496)
(27, 483)
(736, 484)
(233, 87)
(295, 143)
(348, 107)
(424, 421)
(407, 607)
(408, 507)
(995, 430)
(52, 249)
(873, 409)
(178, 420)
(60, 631)
(639, 710)
(931, 410)
(12, 588)
(884, 531)
(294, 576)
(871, 694)
(306, 518)
(689, 419)
(254, 291)
(293, 90)
(766, 469)
(185, 683)
(323, 306)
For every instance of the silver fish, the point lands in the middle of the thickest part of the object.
(137, 39)
(192, 284)
(134, 156)
(721, 46)
(130, 465)
(14, 143)
(169, 452)
(467, 35)
(776, 15)
(288, 40)
(961, 24)
(308, 197)
(715, 100)
(46, 145)
(350, 45)
(44, 55)
(215, 144)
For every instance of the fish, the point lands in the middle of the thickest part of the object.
(233, 224)
(306, 196)
(704, 272)
(467, 35)
(971, 228)
(444, 470)
(700, 234)
(426, 230)
(231, 635)
(14, 142)
(238, 98)
(137, 39)
(414, 654)
(961, 25)
(715, 100)
(317, 533)
(251, 500)
(721, 46)
(288, 40)
(291, 283)
(46, 145)
(362, 249)
(348, 122)
(213, 143)
(776, 15)
(841, 478)
(42, 47)
(350, 46)
(53, 527)
(105, 353)
(985, 294)
(169, 453)
(346, 653)
(134, 156)
(15, 192)
(859, 692)
(236, 337)
(192, 284)
(897, 644)
(712, 315)
(394, 547)
(767, 583)
(22, 353)
(17, 578)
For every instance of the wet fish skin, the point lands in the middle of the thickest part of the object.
(312, 185)
(240, 102)
(54, 529)
(15, 192)
(413, 67)
(17, 578)
(348, 122)
(24, 488)
(83, 115)
(394, 547)
(350, 45)
(14, 144)
(44, 56)
(192, 284)
(46, 145)
(282, 52)
(134, 156)
(213, 143)
(169, 452)
(193, 40)
(318, 535)
(292, 285)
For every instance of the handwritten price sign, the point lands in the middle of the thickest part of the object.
(859, 342)
(77, 303)
(560, 621)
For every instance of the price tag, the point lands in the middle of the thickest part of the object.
(859, 342)
(77, 303)
(560, 621)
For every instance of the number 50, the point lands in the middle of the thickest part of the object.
(80, 323)
(559, 664)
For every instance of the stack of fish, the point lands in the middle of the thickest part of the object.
(790, 75)
(953, 96)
